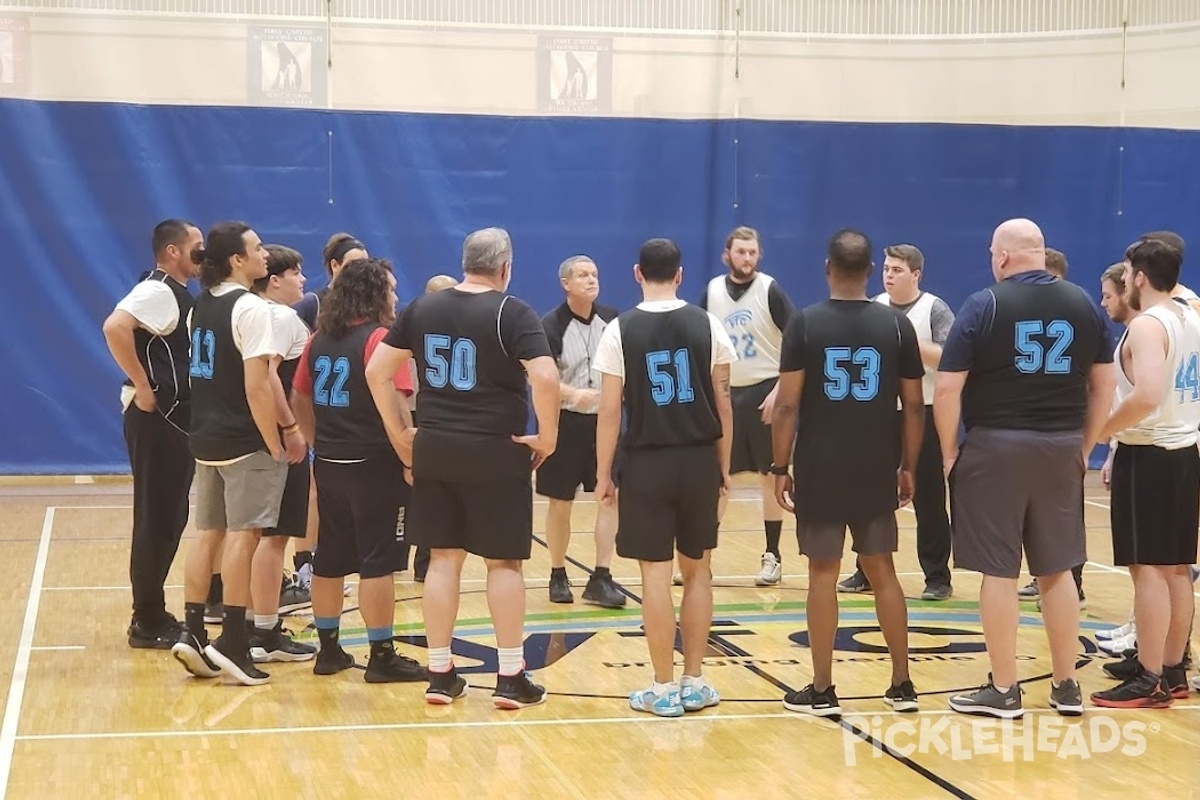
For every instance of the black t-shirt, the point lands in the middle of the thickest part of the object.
(668, 378)
(853, 354)
(468, 348)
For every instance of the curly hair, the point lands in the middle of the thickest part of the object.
(362, 292)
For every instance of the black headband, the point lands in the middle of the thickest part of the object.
(345, 246)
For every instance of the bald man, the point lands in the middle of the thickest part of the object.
(1028, 369)
(440, 283)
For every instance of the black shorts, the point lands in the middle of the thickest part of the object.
(751, 438)
(1017, 488)
(573, 463)
(668, 502)
(1155, 505)
(293, 509)
(361, 509)
(490, 519)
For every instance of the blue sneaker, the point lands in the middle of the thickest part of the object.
(698, 698)
(665, 705)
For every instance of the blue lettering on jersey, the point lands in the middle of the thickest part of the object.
(323, 394)
(665, 387)
(838, 385)
(1187, 378)
(459, 371)
(204, 351)
(743, 343)
(1033, 357)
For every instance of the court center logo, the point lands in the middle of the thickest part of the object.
(286, 66)
(574, 75)
(14, 56)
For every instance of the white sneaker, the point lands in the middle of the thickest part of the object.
(1116, 633)
(303, 577)
(1195, 683)
(771, 571)
(1119, 645)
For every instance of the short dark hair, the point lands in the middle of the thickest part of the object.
(224, 241)
(1056, 262)
(336, 248)
(907, 253)
(280, 259)
(1116, 276)
(170, 232)
(1158, 261)
(1169, 238)
(850, 253)
(659, 260)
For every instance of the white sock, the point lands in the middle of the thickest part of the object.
(660, 689)
(266, 622)
(249, 614)
(697, 682)
(439, 659)
(512, 660)
(1001, 689)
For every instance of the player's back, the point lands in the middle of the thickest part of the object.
(668, 355)
(848, 438)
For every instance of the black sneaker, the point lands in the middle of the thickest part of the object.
(388, 666)
(902, 697)
(293, 597)
(937, 592)
(239, 666)
(1126, 668)
(151, 636)
(517, 691)
(855, 584)
(1066, 698)
(331, 662)
(444, 688)
(189, 651)
(276, 645)
(989, 701)
(1029, 591)
(560, 589)
(1176, 680)
(603, 592)
(809, 701)
(1144, 690)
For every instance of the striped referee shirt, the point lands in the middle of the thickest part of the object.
(573, 343)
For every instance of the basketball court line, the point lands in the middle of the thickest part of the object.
(16, 687)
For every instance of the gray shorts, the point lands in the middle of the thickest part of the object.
(242, 496)
(1011, 489)
(826, 541)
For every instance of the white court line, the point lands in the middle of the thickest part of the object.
(530, 723)
(585, 500)
(59, 647)
(16, 688)
(398, 726)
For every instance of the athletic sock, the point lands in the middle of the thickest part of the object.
(233, 631)
(328, 632)
(216, 590)
(512, 660)
(193, 618)
(558, 572)
(602, 572)
(266, 622)
(439, 659)
(774, 531)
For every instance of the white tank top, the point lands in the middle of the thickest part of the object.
(1175, 423)
(1185, 293)
(920, 314)
(749, 324)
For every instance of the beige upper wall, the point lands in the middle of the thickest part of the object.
(1049, 79)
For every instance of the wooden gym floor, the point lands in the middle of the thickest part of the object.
(85, 713)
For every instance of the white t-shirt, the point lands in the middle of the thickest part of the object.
(610, 356)
(291, 334)
(153, 305)
(251, 320)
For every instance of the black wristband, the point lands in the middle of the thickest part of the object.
(780, 470)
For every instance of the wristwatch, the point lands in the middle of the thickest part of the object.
(780, 470)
